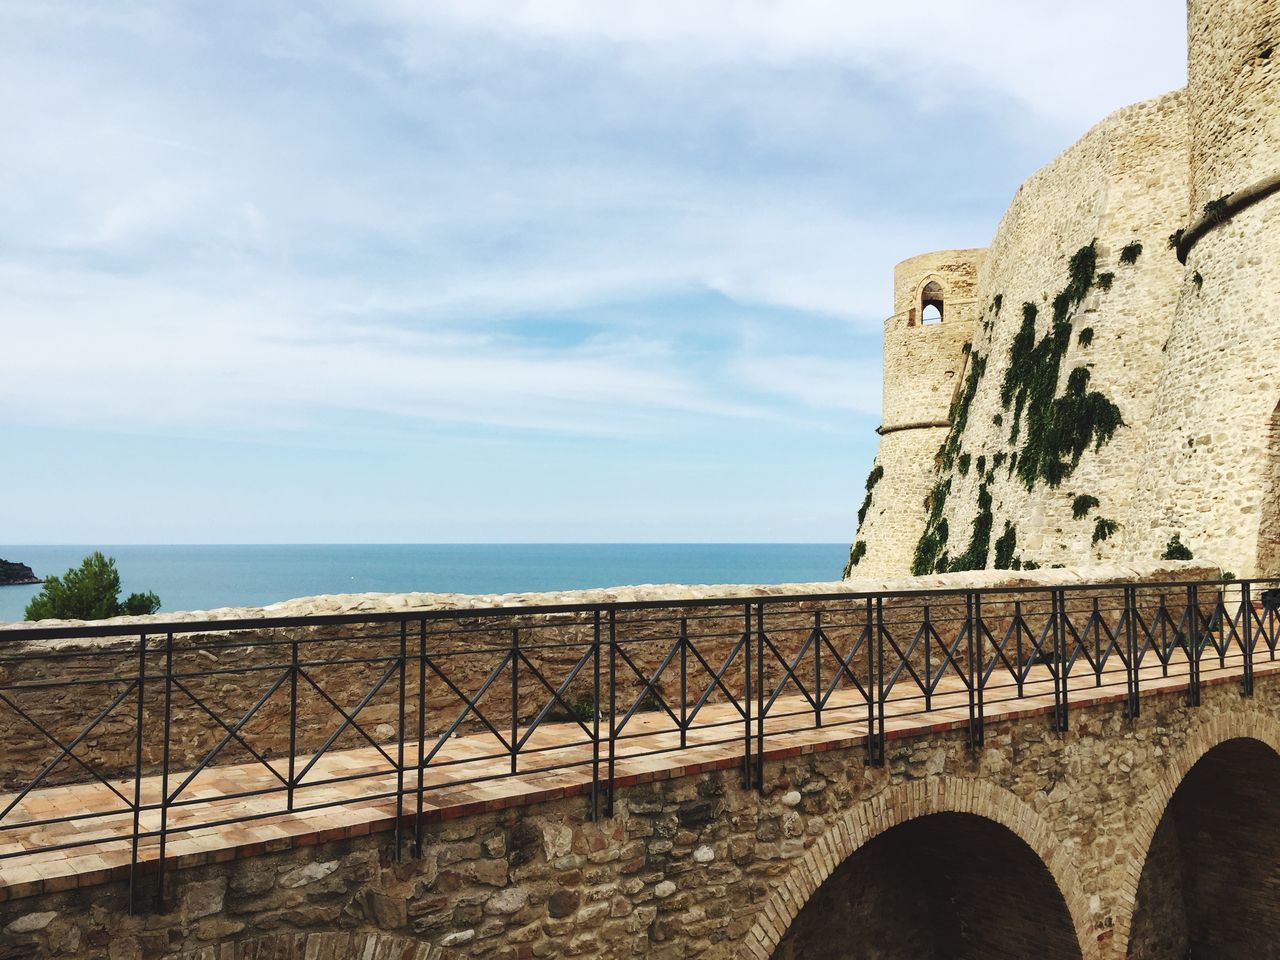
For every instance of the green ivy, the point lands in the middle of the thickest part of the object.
(1059, 428)
(997, 302)
(930, 550)
(1175, 238)
(960, 410)
(975, 554)
(1105, 280)
(1006, 545)
(872, 479)
(1085, 336)
(962, 464)
(982, 463)
(1197, 279)
(856, 554)
(1081, 506)
(1129, 255)
(1103, 530)
(1175, 549)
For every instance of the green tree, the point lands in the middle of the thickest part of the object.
(88, 592)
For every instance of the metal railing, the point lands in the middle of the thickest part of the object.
(165, 729)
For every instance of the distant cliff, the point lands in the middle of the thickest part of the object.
(13, 573)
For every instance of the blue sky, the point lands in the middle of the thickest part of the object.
(571, 270)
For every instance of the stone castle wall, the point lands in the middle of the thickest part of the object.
(1124, 182)
(1186, 354)
(1213, 461)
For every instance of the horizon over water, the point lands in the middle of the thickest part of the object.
(207, 576)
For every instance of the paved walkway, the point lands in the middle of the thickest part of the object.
(467, 777)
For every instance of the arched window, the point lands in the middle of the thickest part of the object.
(931, 303)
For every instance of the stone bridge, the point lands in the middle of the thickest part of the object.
(1138, 831)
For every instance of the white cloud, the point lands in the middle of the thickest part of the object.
(1072, 62)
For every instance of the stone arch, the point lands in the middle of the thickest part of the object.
(898, 805)
(932, 302)
(1244, 724)
(363, 945)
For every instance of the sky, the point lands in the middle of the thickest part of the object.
(496, 270)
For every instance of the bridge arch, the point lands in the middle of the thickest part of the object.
(1002, 811)
(1204, 877)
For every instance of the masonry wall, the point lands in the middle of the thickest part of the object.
(1124, 182)
(1211, 458)
(701, 867)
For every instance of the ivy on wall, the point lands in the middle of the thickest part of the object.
(1048, 431)
(1056, 429)
(859, 549)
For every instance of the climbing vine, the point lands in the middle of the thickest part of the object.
(1006, 546)
(930, 556)
(872, 479)
(1049, 431)
(1081, 506)
(855, 555)
(1058, 428)
(975, 554)
(1103, 529)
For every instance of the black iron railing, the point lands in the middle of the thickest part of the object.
(146, 736)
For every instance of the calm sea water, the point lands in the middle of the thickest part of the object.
(204, 577)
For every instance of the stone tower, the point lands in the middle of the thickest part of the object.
(926, 343)
(1213, 463)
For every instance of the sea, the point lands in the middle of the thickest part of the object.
(203, 577)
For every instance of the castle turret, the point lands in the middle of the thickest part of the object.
(1213, 469)
(925, 345)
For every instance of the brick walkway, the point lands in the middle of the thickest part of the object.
(466, 777)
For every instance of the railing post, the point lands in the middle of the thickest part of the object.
(817, 668)
(881, 694)
(980, 679)
(684, 682)
(595, 715)
(928, 659)
(1020, 673)
(422, 736)
(293, 720)
(1131, 641)
(873, 756)
(613, 706)
(515, 695)
(137, 769)
(760, 675)
(1193, 647)
(1246, 604)
(1059, 603)
(971, 678)
(1097, 643)
(400, 736)
(746, 698)
(164, 768)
